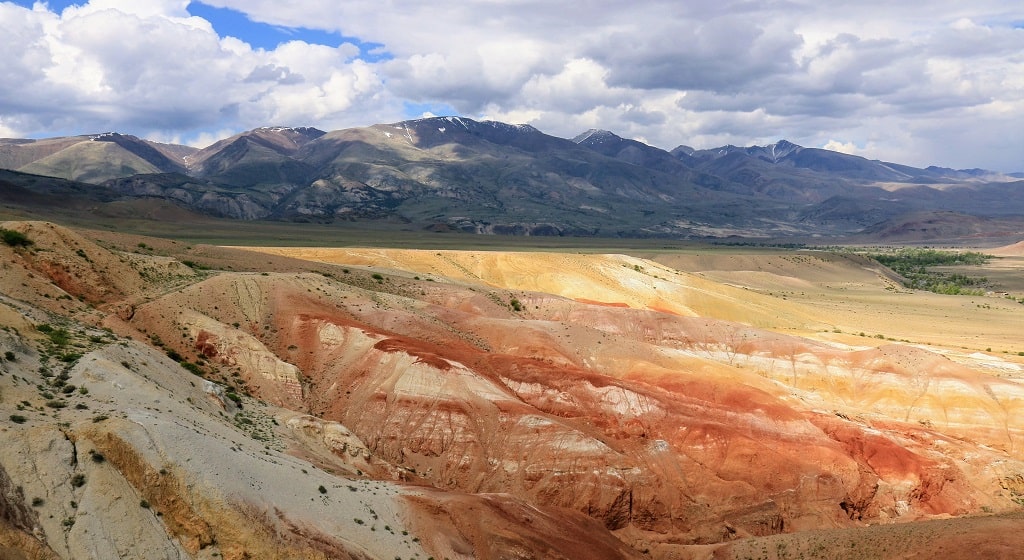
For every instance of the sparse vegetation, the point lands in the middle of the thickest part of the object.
(58, 336)
(196, 369)
(194, 265)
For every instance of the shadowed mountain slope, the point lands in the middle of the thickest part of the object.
(456, 174)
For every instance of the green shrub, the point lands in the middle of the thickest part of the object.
(14, 238)
(58, 336)
(18, 419)
(196, 369)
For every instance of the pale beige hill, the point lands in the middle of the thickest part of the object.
(65, 272)
(90, 162)
(1013, 250)
(834, 297)
(614, 280)
(17, 153)
(858, 297)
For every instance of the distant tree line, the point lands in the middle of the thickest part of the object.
(914, 265)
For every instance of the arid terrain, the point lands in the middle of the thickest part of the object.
(166, 400)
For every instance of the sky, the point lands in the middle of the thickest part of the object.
(936, 82)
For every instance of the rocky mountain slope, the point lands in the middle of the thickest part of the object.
(457, 174)
(415, 404)
(92, 158)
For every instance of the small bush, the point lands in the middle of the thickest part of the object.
(322, 489)
(144, 504)
(37, 501)
(14, 238)
(78, 480)
(58, 336)
(18, 419)
(196, 369)
(9, 356)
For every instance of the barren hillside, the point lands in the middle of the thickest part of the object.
(414, 404)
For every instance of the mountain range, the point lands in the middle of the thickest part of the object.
(457, 174)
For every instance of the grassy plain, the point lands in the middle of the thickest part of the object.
(863, 301)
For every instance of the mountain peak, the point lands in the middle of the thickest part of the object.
(304, 130)
(775, 152)
(595, 136)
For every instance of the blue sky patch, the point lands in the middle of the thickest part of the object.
(226, 22)
(54, 5)
(416, 110)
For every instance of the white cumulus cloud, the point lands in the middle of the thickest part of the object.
(942, 84)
